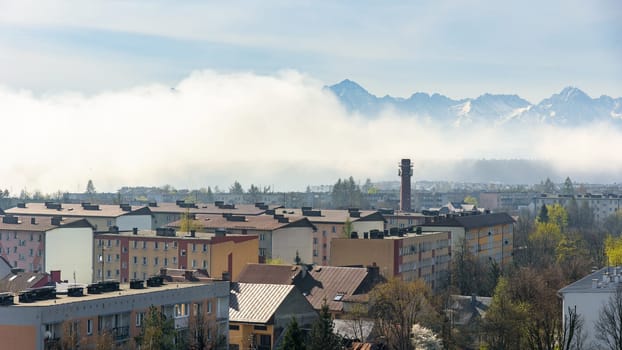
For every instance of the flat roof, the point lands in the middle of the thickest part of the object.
(330, 215)
(249, 222)
(125, 291)
(208, 208)
(178, 235)
(72, 209)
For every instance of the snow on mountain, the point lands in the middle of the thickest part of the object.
(571, 106)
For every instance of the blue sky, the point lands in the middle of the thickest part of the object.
(461, 49)
(89, 83)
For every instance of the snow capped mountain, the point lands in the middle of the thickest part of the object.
(570, 107)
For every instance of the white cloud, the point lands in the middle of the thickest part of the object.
(282, 130)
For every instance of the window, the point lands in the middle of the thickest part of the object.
(144, 260)
(31, 252)
(334, 229)
(324, 257)
(262, 236)
(181, 310)
(155, 245)
(89, 327)
(205, 264)
(117, 242)
(31, 237)
(139, 319)
(262, 251)
(194, 247)
(194, 263)
(234, 327)
(165, 261)
(204, 247)
(116, 272)
(155, 261)
(144, 244)
(109, 258)
(108, 274)
(196, 309)
(117, 257)
(135, 260)
(260, 328)
(109, 243)
(174, 260)
(314, 240)
(135, 244)
(209, 307)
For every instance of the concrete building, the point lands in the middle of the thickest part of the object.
(602, 205)
(41, 319)
(408, 256)
(400, 219)
(139, 254)
(588, 296)
(505, 200)
(165, 213)
(280, 237)
(331, 223)
(259, 313)
(101, 216)
(39, 243)
(487, 236)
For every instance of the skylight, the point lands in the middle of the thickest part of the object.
(31, 279)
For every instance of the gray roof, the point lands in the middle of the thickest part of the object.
(255, 302)
(603, 285)
(475, 221)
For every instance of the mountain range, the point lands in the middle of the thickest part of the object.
(569, 107)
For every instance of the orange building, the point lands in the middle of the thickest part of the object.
(81, 321)
(139, 254)
(408, 256)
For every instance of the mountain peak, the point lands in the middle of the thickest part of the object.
(571, 93)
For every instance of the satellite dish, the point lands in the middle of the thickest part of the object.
(48, 335)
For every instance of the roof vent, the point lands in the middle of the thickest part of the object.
(52, 205)
(137, 284)
(6, 299)
(75, 291)
(239, 218)
(125, 207)
(165, 232)
(220, 232)
(21, 205)
(103, 287)
(153, 204)
(9, 219)
(36, 294)
(283, 220)
(155, 281)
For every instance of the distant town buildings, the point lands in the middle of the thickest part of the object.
(601, 205)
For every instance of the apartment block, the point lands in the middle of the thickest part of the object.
(40, 243)
(139, 254)
(42, 319)
(101, 216)
(602, 205)
(408, 256)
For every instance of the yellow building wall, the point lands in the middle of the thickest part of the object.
(246, 334)
(363, 252)
(242, 253)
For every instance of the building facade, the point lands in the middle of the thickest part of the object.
(139, 254)
(602, 205)
(82, 321)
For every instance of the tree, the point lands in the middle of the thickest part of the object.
(544, 214)
(609, 324)
(586, 215)
(90, 188)
(557, 215)
(210, 194)
(347, 228)
(253, 194)
(188, 222)
(573, 213)
(613, 250)
(572, 335)
(424, 339)
(236, 188)
(470, 200)
(613, 223)
(568, 187)
(203, 333)
(322, 335)
(346, 194)
(548, 186)
(158, 331)
(104, 341)
(504, 321)
(294, 338)
(396, 306)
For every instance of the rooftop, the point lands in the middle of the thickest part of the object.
(255, 302)
(124, 291)
(38, 223)
(210, 208)
(605, 280)
(177, 235)
(473, 221)
(17, 282)
(74, 209)
(332, 215)
(253, 222)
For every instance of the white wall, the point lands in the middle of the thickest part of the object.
(286, 241)
(366, 226)
(128, 222)
(588, 306)
(70, 250)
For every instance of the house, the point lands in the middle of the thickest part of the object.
(333, 223)
(408, 256)
(100, 216)
(318, 284)
(588, 296)
(40, 243)
(259, 313)
(487, 235)
(138, 254)
(280, 238)
(42, 319)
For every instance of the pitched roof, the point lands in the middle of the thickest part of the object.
(41, 224)
(73, 209)
(250, 222)
(255, 302)
(475, 221)
(329, 283)
(466, 308)
(266, 273)
(209, 208)
(17, 282)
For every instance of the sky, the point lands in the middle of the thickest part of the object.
(199, 93)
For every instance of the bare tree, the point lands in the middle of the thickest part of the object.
(572, 335)
(609, 324)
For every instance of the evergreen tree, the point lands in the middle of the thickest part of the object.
(90, 188)
(543, 217)
(210, 194)
(236, 188)
(322, 333)
(568, 187)
(294, 337)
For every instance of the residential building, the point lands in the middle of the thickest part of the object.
(165, 213)
(588, 296)
(259, 314)
(401, 219)
(505, 200)
(5, 266)
(139, 254)
(408, 256)
(101, 216)
(488, 235)
(331, 223)
(602, 205)
(318, 284)
(40, 243)
(20, 281)
(41, 319)
(280, 238)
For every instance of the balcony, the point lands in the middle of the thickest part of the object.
(121, 333)
(181, 322)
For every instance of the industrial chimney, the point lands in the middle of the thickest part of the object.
(406, 172)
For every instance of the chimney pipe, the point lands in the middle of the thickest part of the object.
(406, 173)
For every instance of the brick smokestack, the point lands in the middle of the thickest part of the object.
(406, 172)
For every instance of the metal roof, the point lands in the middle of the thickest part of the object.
(255, 302)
